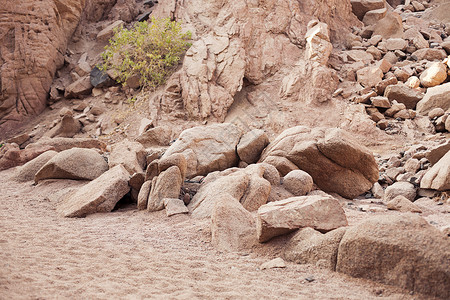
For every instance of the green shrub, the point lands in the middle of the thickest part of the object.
(149, 51)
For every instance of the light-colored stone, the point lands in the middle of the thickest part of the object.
(232, 226)
(174, 207)
(79, 88)
(391, 26)
(405, 189)
(393, 44)
(273, 264)
(75, 163)
(165, 185)
(434, 75)
(402, 204)
(144, 192)
(318, 46)
(438, 96)
(436, 113)
(99, 195)
(319, 212)
(403, 94)
(213, 148)
(438, 177)
(392, 249)
(155, 137)
(309, 246)
(335, 161)
(29, 170)
(129, 154)
(298, 182)
(369, 76)
(251, 145)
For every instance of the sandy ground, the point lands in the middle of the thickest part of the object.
(130, 254)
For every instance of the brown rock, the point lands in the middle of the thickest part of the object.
(314, 151)
(391, 26)
(232, 226)
(75, 163)
(361, 7)
(403, 94)
(108, 31)
(251, 145)
(281, 217)
(394, 257)
(11, 155)
(67, 127)
(213, 148)
(404, 189)
(100, 195)
(166, 185)
(79, 88)
(309, 246)
(438, 177)
(131, 155)
(298, 182)
(369, 76)
(174, 206)
(438, 96)
(60, 143)
(430, 54)
(402, 204)
(176, 159)
(155, 137)
(143, 195)
(28, 170)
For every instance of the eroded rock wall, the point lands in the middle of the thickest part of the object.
(33, 40)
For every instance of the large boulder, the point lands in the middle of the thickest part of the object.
(11, 155)
(438, 177)
(402, 250)
(251, 145)
(232, 226)
(249, 186)
(99, 195)
(207, 149)
(438, 96)
(32, 51)
(75, 163)
(29, 170)
(322, 213)
(61, 143)
(335, 161)
(403, 94)
(131, 155)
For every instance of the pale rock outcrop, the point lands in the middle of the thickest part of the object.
(30, 53)
(131, 155)
(75, 163)
(207, 148)
(438, 96)
(318, 46)
(438, 177)
(434, 75)
(28, 170)
(405, 251)
(99, 195)
(240, 40)
(309, 246)
(165, 185)
(232, 226)
(247, 185)
(335, 161)
(322, 213)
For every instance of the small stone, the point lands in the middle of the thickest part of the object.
(436, 113)
(174, 207)
(402, 204)
(274, 263)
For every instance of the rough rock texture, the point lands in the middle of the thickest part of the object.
(232, 226)
(318, 46)
(166, 185)
(33, 41)
(405, 251)
(60, 144)
(434, 75)
(438, 96)
(334, 160)
(67, 127)
(322, 213)
(28, 170)
(309, 246)
(75, 163)
(404, 189)
(11, 155)
(143, 195)
(402, 204)
(247, 185)
(174, 206)
(129, 154)
(99, 195)
(240, 40)
(207, 149)
(251, 145)
(438, 177)
(403, 94)
(298, 182)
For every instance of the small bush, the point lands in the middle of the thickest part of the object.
(149, 51)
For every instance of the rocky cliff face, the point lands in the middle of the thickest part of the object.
(243, 42)
(33, 40)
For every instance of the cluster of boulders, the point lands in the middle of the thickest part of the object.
(400, 62)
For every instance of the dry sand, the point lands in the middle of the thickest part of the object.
(130, 254)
